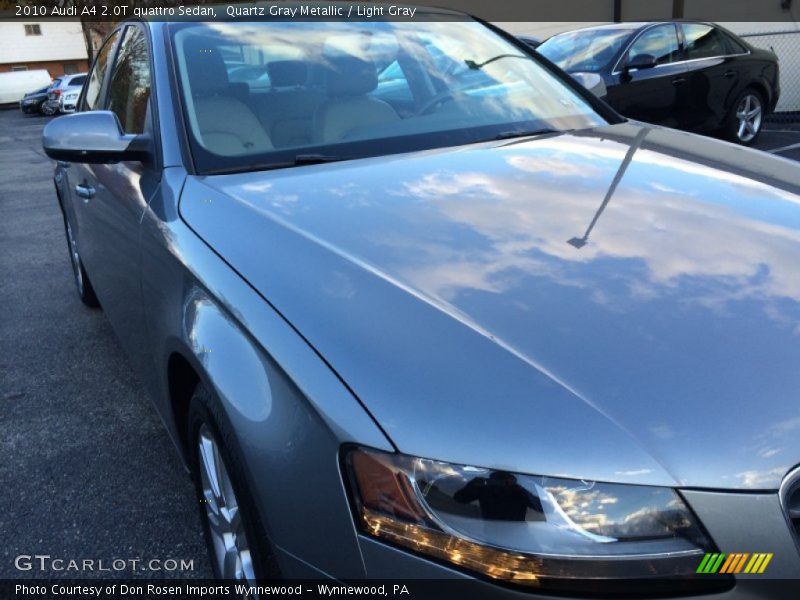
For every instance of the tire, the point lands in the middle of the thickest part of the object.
(49, 109)
(82, 283)
(238, 548)
(746, 118)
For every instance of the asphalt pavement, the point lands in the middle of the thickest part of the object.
(781, 137)
(86, 468)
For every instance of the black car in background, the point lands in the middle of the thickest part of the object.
(690, 75)
(31, 102)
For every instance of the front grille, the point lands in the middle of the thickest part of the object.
(790, 498)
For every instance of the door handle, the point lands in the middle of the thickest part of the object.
(729, 74)
(84, 190)
(678, 81)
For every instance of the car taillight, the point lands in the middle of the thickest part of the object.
(56, 92)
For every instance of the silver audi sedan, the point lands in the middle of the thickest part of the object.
(418, 306)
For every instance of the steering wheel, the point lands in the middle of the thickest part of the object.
(438, 100)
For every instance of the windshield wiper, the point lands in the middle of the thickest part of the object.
(315, 159)
(297, 161)
(476, 66)
(518, 133)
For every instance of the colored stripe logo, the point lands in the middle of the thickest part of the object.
(736, 562)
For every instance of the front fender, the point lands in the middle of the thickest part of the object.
(289, 411)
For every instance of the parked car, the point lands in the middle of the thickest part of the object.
(31, 102)
(65, 90)
(69, 98)
(15, 84)
(691, 75)
(511, 335)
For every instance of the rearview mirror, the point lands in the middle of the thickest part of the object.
(92, 137)
(592, 82)
(641, 61)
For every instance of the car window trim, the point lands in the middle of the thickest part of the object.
(682, 43)
(112, 66)
(155, 124)
(112, 53)
(125, 32)
(151, 126)
(112, 62)
(177, 104)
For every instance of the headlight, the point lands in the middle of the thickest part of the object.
(544, 531)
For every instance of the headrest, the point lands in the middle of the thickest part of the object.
(204, 66)
(287, 73)
(347, 75)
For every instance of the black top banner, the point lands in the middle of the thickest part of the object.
(779, 11)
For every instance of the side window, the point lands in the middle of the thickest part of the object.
(660, 42)
(91, 98)
(130, 81)
(703, 41)
(736, 47)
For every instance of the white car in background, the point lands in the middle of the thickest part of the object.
(15, 84)
(65, 91)
(69, 99)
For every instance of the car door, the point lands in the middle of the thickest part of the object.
(657, 94)
(111, 198)
(713, 72)
(70, 176)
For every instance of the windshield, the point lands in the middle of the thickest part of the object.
(275, 93)
(585, 50)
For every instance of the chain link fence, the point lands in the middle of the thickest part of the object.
(786, 44)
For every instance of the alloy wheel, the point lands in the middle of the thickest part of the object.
(230, 546)
(749, 114)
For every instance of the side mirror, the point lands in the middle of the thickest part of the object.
(592, 82)
(92, 137)
(641, 61)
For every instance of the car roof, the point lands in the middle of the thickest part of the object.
(66, 79)
(634, 25)
(625, 25)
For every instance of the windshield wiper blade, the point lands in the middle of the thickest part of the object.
(476, 66)
(315, 159)
(518, 133)
(299, 160)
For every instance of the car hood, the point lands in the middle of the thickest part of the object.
(619, 304)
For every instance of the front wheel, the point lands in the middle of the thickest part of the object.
(746, 118)
(237, 544)
(85, 289)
